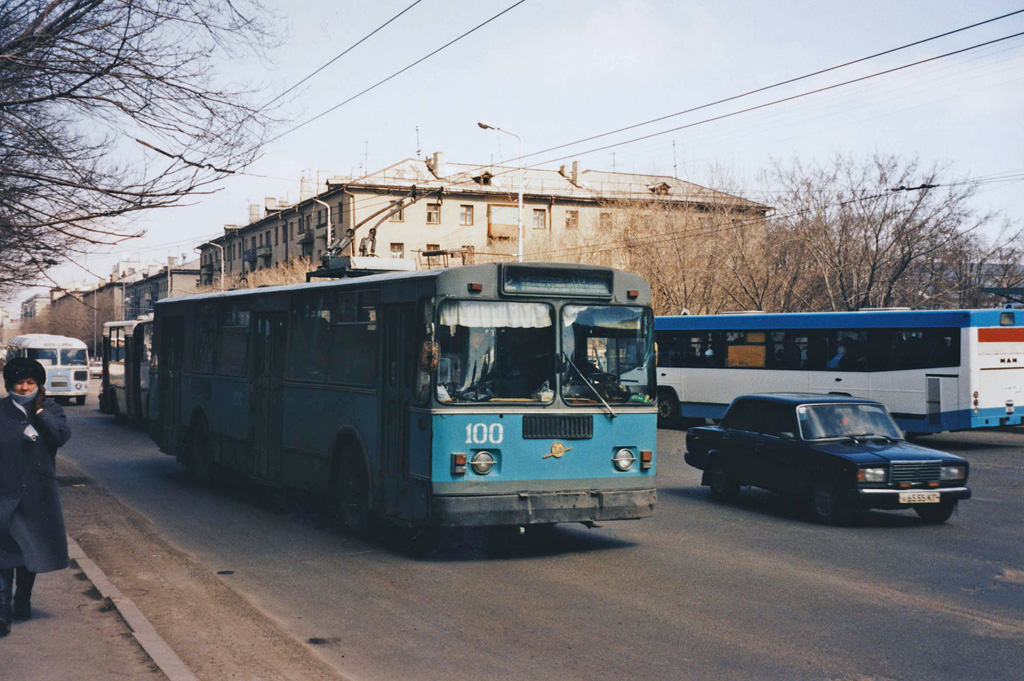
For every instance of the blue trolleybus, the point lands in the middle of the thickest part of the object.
(935, 370)
(485, 395)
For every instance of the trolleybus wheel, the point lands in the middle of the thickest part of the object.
(353, 495)
(199, 464)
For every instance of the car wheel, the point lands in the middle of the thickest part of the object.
(723, 487)
(668, 409)
(936, 513)
(828, 504)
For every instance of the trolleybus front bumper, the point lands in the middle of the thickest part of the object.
(532, 508)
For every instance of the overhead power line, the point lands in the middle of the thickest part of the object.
(772, 86)
(780, 101)
(397, 73)
(343, 53)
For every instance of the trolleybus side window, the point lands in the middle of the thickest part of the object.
(204, 340)
(353, 351)
(310, 338)
(233, 341)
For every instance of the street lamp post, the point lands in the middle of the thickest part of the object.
(486, 126)
(222, 263)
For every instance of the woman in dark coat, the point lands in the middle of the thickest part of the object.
(32, 536)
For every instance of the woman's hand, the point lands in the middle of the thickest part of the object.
(40, 398)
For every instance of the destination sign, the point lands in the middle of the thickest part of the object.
(568, 282)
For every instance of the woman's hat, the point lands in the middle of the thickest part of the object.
(20, 368)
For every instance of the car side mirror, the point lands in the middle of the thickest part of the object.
(786, 435)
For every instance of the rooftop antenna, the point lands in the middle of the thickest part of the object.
(418, 150)
(613, 161)
(366, 156)
(675, 170)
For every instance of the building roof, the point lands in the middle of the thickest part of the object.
(589, 185)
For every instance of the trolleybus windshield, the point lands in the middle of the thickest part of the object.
(606, 351)
(44, 356)
(73, 357)
(495, 352)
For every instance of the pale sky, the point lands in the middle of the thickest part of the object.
(554, 71)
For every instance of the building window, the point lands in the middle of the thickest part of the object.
(309, 221)
(605, 220)
(540, 218)
(572, 219)
(465, 215)
(397, 250)
(275, 235)
(433, 247)
(433, 213)
(320, 217)
(398, 215)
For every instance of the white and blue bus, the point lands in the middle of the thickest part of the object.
(936, 371)
(66, 361)
(486, 395)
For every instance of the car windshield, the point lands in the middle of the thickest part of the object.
(73, 357)
(495, 352)
(829, 421)
(606, 354)
(44, 356)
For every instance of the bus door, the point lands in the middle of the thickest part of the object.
(265, 393)
(396, 396)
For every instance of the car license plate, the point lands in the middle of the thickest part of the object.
(919, 497)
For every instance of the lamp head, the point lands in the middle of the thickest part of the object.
(485, 126)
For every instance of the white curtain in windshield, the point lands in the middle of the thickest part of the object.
(481, 314)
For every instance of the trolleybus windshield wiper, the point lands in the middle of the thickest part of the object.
(590, 385)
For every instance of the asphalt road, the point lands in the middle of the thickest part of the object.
(752, 590)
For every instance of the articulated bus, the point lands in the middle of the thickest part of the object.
(127, 350)
(66, 361)
(936, 371)
(485, 395)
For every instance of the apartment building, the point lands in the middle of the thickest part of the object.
(416, 207)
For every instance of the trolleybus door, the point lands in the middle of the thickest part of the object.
(172, 344)
(268, 348)
(395, 399)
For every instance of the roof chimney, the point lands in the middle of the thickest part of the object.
(254, 213)
(436, 165)
(307, 189)
(576, 173)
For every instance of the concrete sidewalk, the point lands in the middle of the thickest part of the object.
(74, 633)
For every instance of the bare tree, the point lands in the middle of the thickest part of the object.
(108, 107)
(867, 229)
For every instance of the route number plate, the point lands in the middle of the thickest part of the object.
(919, 497)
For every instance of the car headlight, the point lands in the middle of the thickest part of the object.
(952, 472)
(871, 475)
(482, 463)
(623, 459)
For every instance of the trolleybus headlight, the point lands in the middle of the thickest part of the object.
(623, 459)
(482, 463)
(952, 473)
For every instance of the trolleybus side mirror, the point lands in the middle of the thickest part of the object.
(429, 355)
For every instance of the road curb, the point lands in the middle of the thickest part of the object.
(144, 632)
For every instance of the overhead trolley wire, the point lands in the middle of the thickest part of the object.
(342, 54)
(773, 86)
(396, 73)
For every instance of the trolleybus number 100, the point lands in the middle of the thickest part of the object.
(482, 434)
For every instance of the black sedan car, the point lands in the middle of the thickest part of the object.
(842, 454)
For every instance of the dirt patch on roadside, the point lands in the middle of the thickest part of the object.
(219, 635)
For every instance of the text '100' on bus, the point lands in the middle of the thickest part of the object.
(501, 394)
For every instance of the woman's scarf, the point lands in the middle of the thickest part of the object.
(22, 402)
